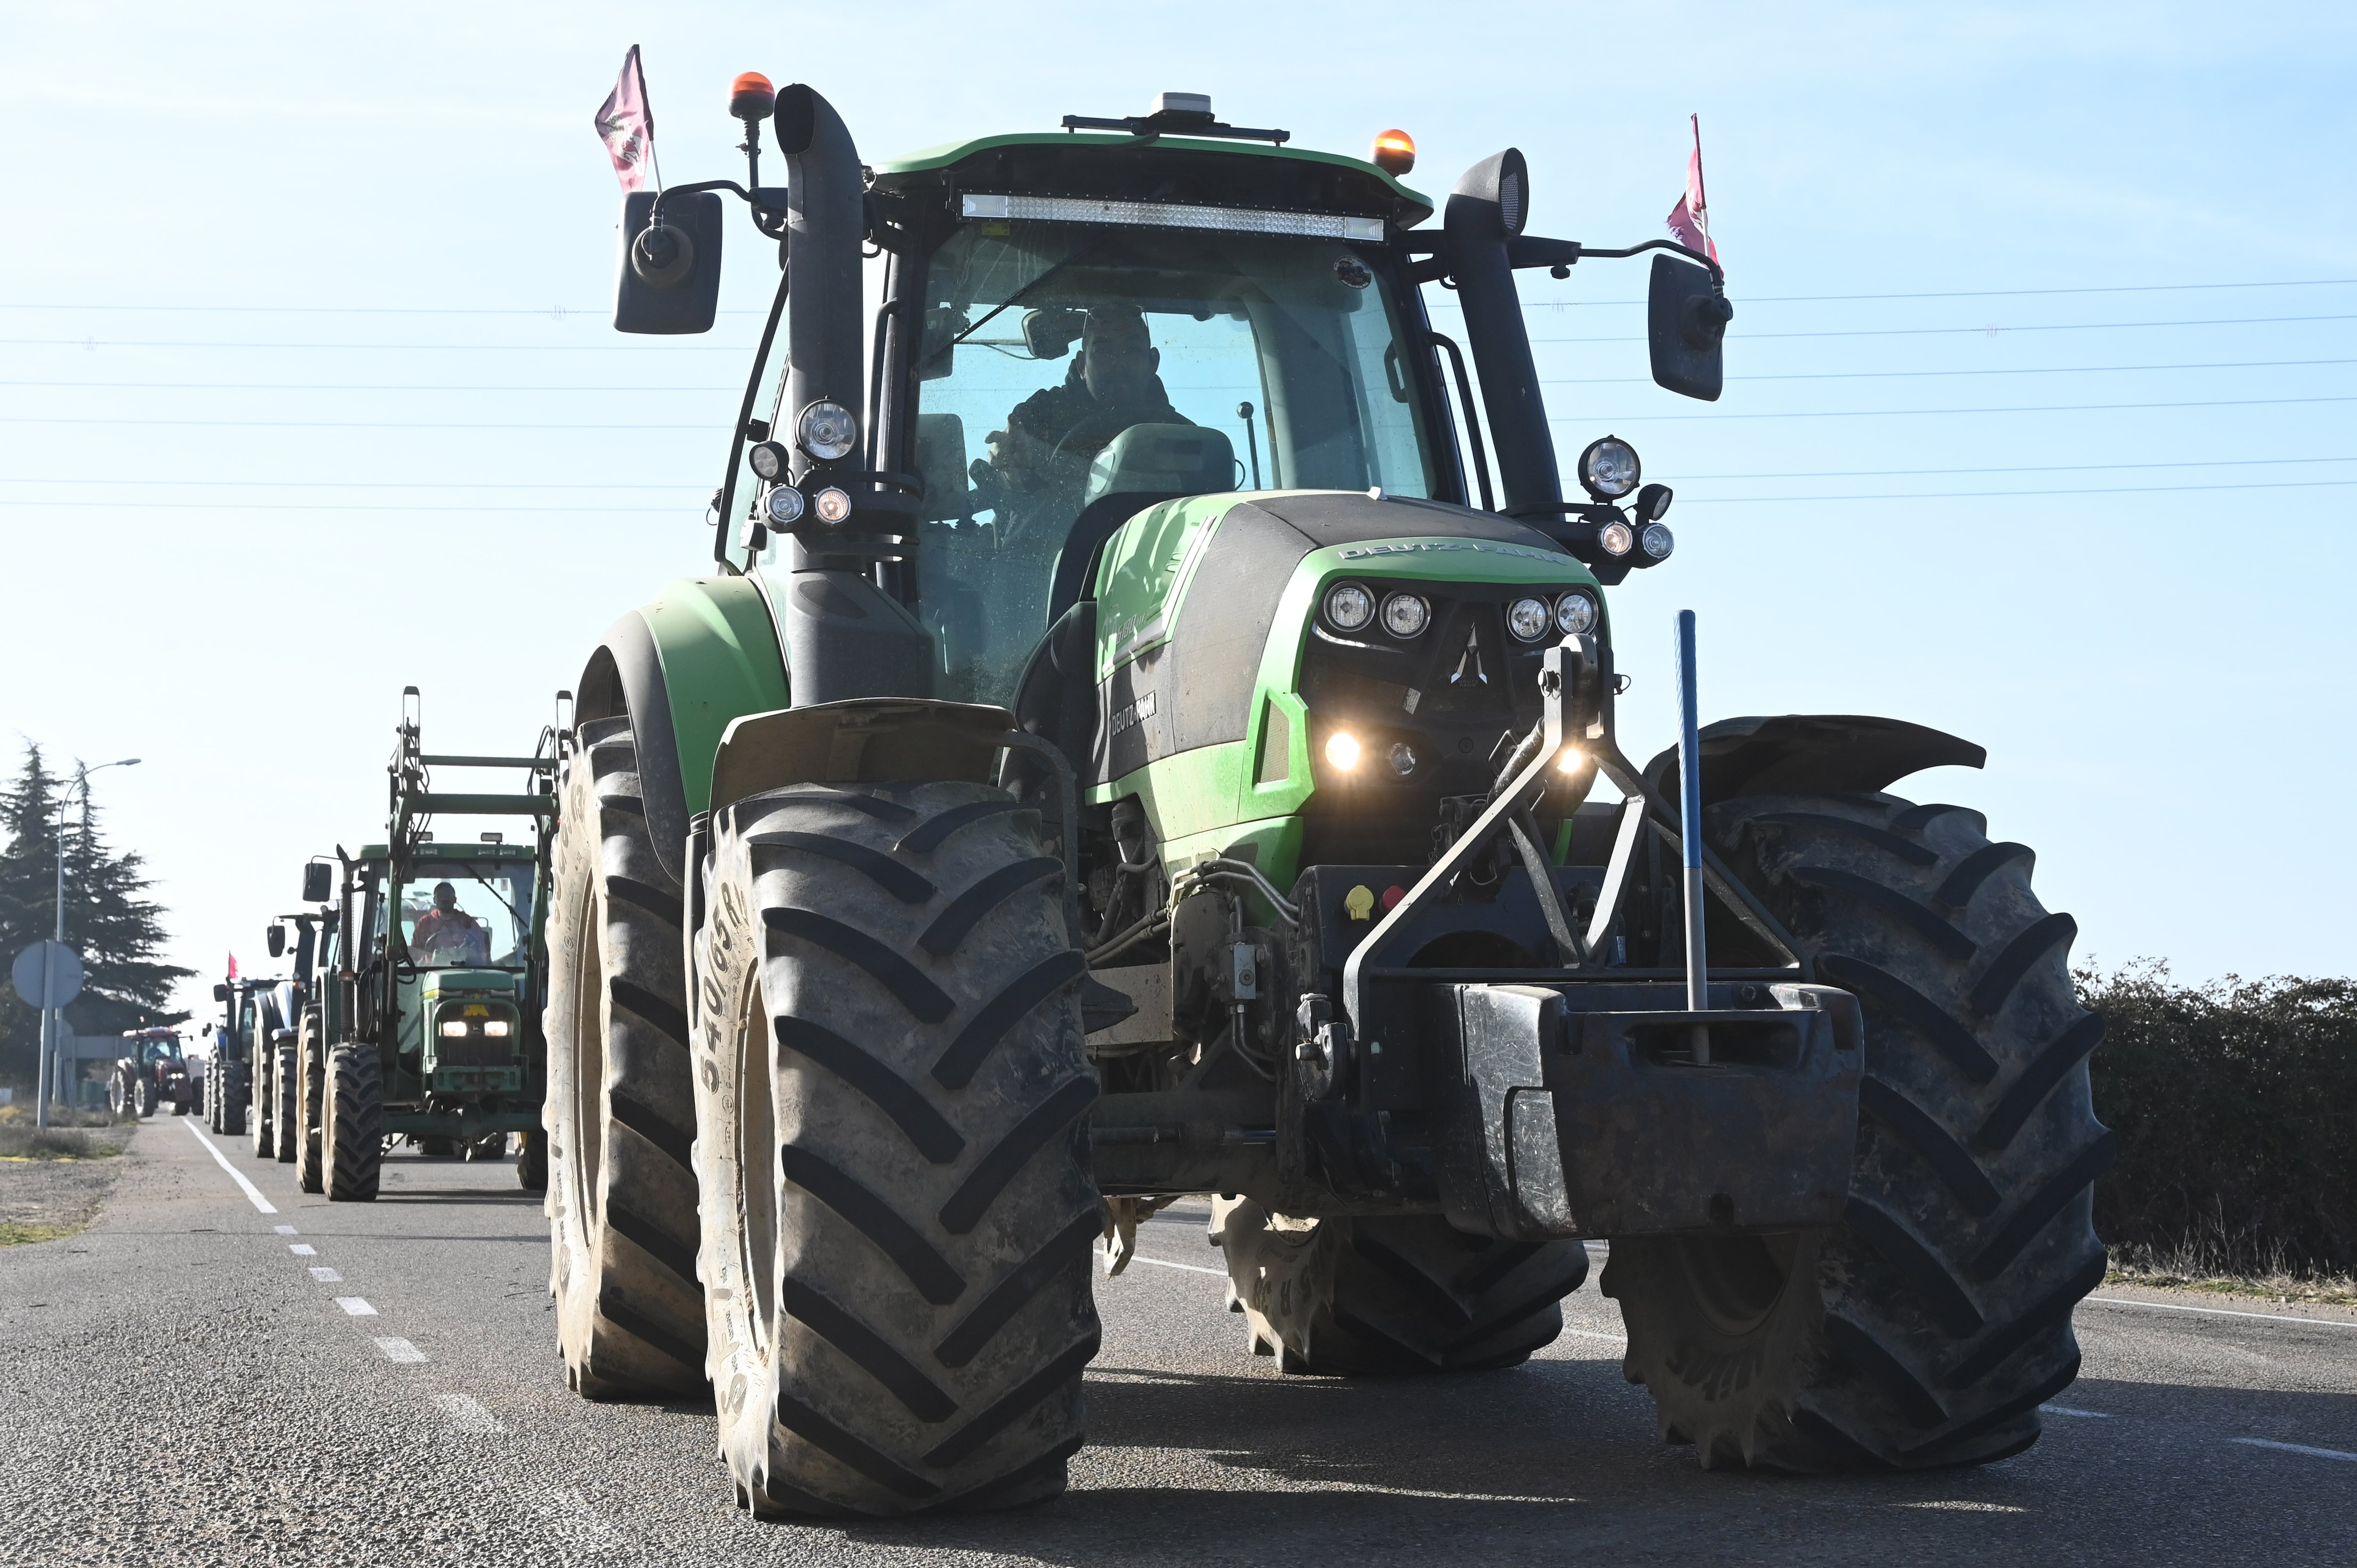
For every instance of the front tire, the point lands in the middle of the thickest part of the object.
(621, 1111)
(310, 1076)
(892, 1097)
(285, 1094)
(1927, 1328)
(353, 1139)
(1360, 1298)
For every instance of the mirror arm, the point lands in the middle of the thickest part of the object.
(1529, 250)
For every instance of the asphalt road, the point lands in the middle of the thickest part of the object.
(195, 1380)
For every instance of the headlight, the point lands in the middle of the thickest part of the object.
(1609, 469)
(767, 459)
(784, 505)
(1349, 606)
(831, 505)
(1574, 613)
(827, 431)
(497, 1028)
(1342, 749)
(1404, 615)
(454, 1028)
(1402, 756)
(1616, 539)
(1528, 618)
(1657, 541)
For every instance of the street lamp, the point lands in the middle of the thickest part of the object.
(53, 1085)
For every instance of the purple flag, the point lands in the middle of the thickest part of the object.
(627, 126)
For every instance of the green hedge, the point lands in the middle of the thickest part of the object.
(2236, 1109)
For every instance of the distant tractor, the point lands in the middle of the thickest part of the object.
(427, 1022)
(152, 1071)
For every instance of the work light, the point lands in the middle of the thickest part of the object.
(1574, 613)
(769, 459)
(1405, 615)
(1609, 469)
(828, 431)
(1657, 541)
(1616, 538)
(831, 505)
(1528, 618)
(784, 506)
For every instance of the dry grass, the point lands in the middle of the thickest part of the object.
(22, 1141)
(13, 1234)
(2216, 1264)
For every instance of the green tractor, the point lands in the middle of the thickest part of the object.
(1128, 748)
(428, 1027)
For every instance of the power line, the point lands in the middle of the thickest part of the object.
(1985, 495)
(1991, 330)
(380, 484)
(1824, 413)
(601, 313)
(2018, 469)
(375, 387)
(336, 505)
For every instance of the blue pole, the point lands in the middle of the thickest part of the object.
(1690, 830)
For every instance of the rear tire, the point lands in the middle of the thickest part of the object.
(264, 1093)
(285, 1096)
(147, 1096)
(620, 1112)
(212, 1096)
(232, 1110)
(1363, 1297)
(1928, 1327)
(310, 1135)
(354, 1135)
(893, 1100)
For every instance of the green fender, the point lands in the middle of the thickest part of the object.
(682, 668)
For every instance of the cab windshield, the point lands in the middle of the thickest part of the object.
(1060, 364)
(457, 915)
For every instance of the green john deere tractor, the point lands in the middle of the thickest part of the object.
(427, 1026)
(1128, 748)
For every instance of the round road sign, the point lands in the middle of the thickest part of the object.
(47, 974)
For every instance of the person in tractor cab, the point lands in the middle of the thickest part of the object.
(447, 934)
(1041, 458)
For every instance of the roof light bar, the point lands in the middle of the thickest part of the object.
(1175, 215)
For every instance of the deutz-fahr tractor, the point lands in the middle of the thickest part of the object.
(434, 973)
(1130, 747)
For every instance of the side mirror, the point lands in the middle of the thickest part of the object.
(318, 887)
(276, 940)
(668, 280)
(1686, 325)
(221, 993)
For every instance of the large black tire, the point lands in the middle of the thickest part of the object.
(232, 1109)
(893, 1100)
(146, 1094)
(353, 1138)
(213, 1097)
(122, 1097)
(620, 1112)
(1384, 1297)
(310, 1130)
(285, 1096)
(264, 1093)
(1928, 1327)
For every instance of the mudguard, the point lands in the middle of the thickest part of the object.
(681, 669)
(1810, 754)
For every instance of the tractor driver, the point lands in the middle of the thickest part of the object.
(447, 934)
(1042, 456)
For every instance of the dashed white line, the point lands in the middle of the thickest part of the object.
(2223, 1312)
(2066, 1410)
(252, 1192)
(284, 1229)
(1159, 1264)
(355, 1305)
(326, 1276)
(303, 1250)
(465, 1413)
(398, 1349)
(2296, 1448)
(1592, 1333)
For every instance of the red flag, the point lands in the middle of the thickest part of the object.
(233, 966)
(627, 126)
(1690, 219)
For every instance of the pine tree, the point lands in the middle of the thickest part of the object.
(110, 921)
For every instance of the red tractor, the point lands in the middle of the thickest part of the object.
(151, 1072)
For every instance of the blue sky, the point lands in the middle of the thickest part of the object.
(308, 394)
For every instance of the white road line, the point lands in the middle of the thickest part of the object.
(235, 1175)
(2296, 1448)
(397, 1349)
(2066, 1410)
(1158, 1262)
(326, 1276)
(355, 1305)
(2221, 1312)
(285, 1229)
(1592, 1333)
(465, 1413)
(303, 1250)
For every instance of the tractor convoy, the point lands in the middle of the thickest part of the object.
(1148, 730)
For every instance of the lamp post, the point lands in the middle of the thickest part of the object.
(52, 1085)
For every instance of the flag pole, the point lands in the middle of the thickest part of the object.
(655, 157)
(1701, 188)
